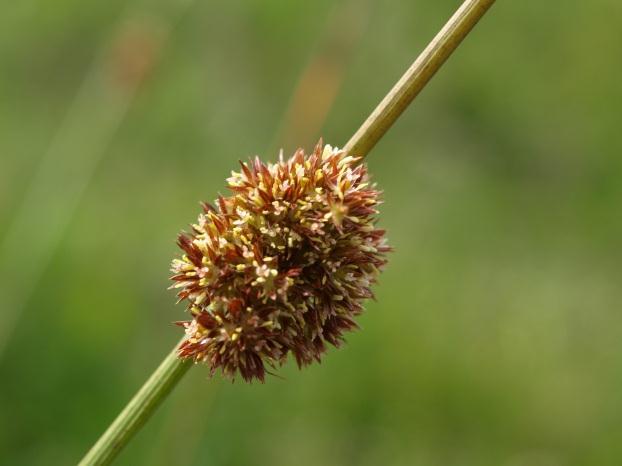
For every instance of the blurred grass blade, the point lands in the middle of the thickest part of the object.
(322, 77)
(67, 167)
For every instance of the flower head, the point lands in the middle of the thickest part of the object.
(282, 265)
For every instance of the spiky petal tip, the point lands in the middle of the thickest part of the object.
(282, 265)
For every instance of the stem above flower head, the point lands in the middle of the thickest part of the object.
(417, 76)
(172, 369)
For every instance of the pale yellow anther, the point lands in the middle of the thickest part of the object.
(200, 298)
(185, 266)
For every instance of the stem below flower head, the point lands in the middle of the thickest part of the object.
(171, 370)
(138, 410)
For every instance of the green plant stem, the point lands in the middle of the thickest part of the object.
(172, 369)
(138, 410)
(417, 76)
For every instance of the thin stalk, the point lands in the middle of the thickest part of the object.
(172, 369)
(138, 410)
(417, 76)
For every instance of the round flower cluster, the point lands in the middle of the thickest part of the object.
(282, 265)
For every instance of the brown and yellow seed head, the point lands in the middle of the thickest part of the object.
(282, 265)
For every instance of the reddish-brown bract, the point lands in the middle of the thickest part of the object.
(282, 265)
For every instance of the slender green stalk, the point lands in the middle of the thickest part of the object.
(172, 369)
(138, 410)
(417, 76)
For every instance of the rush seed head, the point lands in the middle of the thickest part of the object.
(282, 265)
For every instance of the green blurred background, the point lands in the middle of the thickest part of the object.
(496, 332)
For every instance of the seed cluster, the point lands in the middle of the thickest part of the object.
(282, 265)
